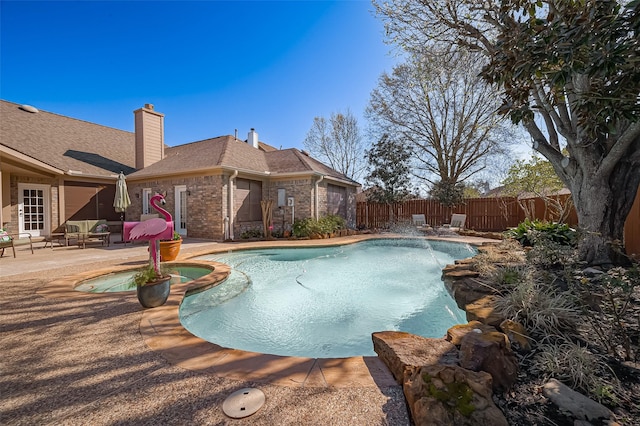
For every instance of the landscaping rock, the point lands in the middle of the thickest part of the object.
(517, 335)
(568, 400)
(449, 395)
(464, 290)
(483, 310)
(592, 272)
(457, 332)
(490, 352)
(399, 350)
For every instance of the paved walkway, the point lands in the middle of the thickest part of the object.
(71, 358)
(44, 259)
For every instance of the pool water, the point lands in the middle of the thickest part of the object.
(326, 302)
(123, 281)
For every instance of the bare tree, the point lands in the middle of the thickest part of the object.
(338, 143)
(440, 106)
(576, 65)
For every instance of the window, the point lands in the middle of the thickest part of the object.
(247, 200)
(146, 197)
(337, 200)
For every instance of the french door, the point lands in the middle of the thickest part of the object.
(33, 209)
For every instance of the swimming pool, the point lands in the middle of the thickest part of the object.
(326, 302)
(123, 281)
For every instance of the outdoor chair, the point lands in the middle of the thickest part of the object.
(9, 240)
(457, 222)
(419, 221)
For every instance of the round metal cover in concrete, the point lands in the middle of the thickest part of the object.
(243, 403)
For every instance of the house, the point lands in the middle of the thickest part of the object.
(55, 168)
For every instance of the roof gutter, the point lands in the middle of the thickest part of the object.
(17, 155)
(88, 175)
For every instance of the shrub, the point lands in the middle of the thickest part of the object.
(539, 308)
(612, 295)
(251, 233)
(147, 275)
(577, 367)
(547, 253)
(325, 225)
(529, 231)
(509, 276)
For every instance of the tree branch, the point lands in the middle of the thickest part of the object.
(619, 150)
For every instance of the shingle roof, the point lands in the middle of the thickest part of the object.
(70, 144)
(207, 154)
(231, 153)
(66, 143)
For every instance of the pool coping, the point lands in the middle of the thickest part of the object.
(162, 332)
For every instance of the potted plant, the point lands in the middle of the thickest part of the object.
(169, 249)
(152, 286)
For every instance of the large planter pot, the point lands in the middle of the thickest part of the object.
(154, 294)
(169, 250)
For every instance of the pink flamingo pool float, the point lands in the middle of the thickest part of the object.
(151, 230)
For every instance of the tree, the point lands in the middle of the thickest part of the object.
(437, 104)
(575, 64)
(537, 178)
(389, 176)
(448, 192)
(338, 143)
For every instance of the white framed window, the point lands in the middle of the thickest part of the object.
(180, 216)
(146, 197)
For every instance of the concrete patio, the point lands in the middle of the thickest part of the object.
(69, 358)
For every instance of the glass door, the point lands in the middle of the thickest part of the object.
(33, 209)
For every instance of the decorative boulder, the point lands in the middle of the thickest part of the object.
(457, 332)
(490, 352)
(449, 395)
(400, 350)
(570, 401)
(517, 335)
(484, 310)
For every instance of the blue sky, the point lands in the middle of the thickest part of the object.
(210, 66)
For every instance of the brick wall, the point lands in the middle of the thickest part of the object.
(207, 204)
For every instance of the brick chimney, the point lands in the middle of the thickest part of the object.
(149, 129)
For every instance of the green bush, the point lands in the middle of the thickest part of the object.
(251, 233)
(528, 232)
(325, 225)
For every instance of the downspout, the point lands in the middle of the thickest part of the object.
(229, 220)
(317, 196)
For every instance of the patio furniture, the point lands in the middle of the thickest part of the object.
(11, 240)
(54, 236)
(457, 222)
(84, 230)
(419, 221)
(93, 237)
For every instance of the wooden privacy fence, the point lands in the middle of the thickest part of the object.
(483, 214)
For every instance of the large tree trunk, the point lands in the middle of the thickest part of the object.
(602, 208)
